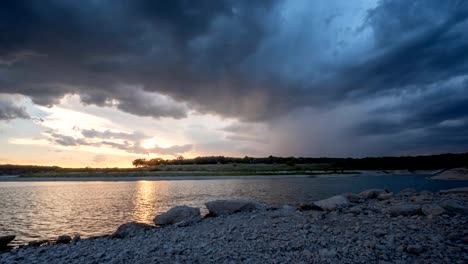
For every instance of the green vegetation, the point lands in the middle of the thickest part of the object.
(442, 161)
(247, 166)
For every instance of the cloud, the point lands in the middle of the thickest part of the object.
(128, 142)
(256, 61)
(172, 150)
(68, 141)
(108, 134)
(9, 110)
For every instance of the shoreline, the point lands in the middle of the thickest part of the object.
(187, 176)
(150, 178)
(372, 226)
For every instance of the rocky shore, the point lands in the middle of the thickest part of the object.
(457, 174)
(374, 226)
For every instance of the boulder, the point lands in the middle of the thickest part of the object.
(5, 240)
(131, 229)
(225, 207)
(372, 193)
(454, 206)
(432, 209)
(405, 210)
(76, 238)
(352, 197)
(38, 243)
(385, 196)
(178, 214)
(63, 239)
(332, 203)
(456, 190)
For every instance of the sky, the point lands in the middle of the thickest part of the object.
(102, 82)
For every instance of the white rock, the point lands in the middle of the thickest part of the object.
(225, 207)
(352, 197)
(332, 203)
(432, 209)
(178, 214)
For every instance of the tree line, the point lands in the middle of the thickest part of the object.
(373, 163)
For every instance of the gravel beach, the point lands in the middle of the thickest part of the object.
(375, 226)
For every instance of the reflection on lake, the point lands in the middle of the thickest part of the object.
(38, 210)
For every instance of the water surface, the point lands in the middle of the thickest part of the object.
(38, 210)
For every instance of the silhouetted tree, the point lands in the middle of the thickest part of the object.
(140, 163)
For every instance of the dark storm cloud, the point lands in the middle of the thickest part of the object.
(94, 48)
(254, 60)
(435, 116)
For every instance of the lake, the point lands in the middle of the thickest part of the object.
(34, 210)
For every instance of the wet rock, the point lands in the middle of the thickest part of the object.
(332, 203)
(384, 196)
(454, 206)
(63, 239)
(131, 229)
(372, 193)
(225, 207)
(432, 209)
(5, 240)
(178, 214)
(456, 190)
(404, 210)
(415, 249)
(38, 243)
(76, 238)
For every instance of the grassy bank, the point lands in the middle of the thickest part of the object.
(193, 170)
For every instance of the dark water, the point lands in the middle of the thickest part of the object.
(38, 210)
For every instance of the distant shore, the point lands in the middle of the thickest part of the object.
(187, 175)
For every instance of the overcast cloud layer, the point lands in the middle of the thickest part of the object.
(388, 76)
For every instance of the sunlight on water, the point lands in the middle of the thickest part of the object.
(144, 201)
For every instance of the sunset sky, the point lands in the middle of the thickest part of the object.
(101, 82)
